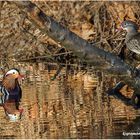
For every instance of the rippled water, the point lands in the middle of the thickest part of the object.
(71, 106)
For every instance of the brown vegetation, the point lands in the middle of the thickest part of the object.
(93, 21)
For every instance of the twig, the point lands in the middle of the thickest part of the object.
(57, 72)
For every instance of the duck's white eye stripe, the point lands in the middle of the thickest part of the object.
(12, 72)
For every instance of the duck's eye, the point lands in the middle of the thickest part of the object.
(13, 72)
(125, 24)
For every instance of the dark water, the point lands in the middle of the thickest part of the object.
(73, 106)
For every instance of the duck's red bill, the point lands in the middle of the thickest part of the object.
(21, 76)
(119, 29)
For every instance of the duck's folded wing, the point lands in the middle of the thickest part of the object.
(134, 43)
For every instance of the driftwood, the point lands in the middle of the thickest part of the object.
(77, 45)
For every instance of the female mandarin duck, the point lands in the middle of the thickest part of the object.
(132, 39)
(11, 94)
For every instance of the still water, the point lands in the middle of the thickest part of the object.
(70, 106)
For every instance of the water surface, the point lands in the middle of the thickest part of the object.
(71, 106)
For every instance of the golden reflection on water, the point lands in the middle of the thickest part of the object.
(67, 107)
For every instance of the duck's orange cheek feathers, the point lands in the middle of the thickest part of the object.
(15, 76)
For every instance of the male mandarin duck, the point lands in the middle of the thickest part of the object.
(11, 94)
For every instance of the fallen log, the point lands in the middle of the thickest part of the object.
(76, 44)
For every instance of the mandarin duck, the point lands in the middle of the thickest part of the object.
(11, 94)
(132, 39)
